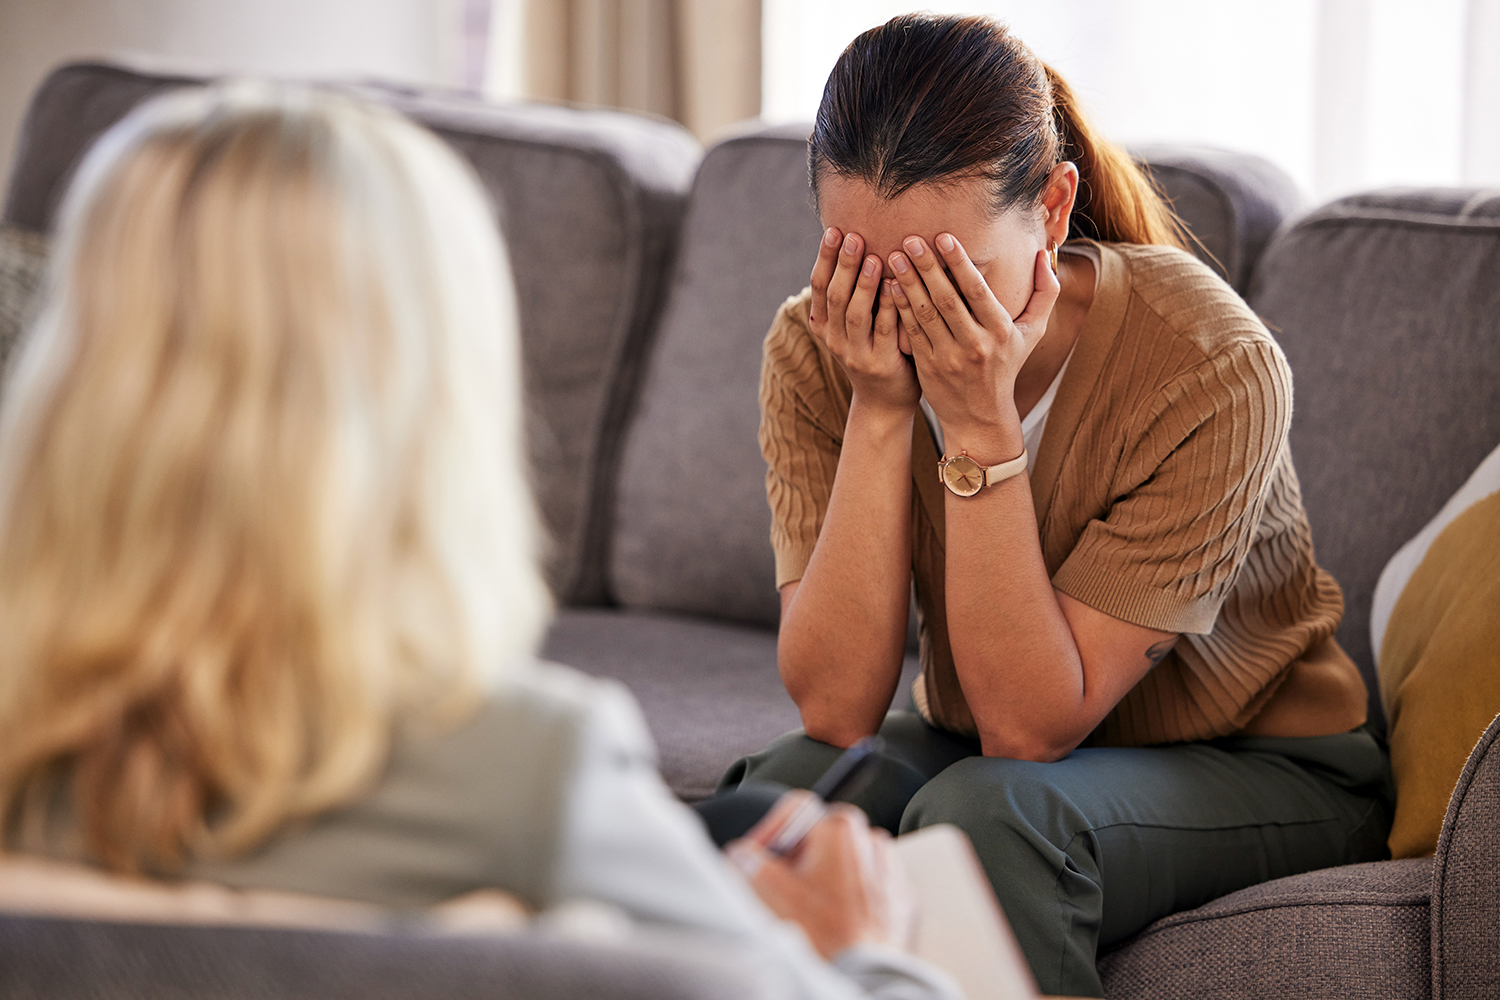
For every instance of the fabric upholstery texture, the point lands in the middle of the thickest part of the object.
(1232, 202)
(23, 260)
(710, 690)
(692, 526)
(1385, 305)
(1466, 881)
(71, 108)
(590, 204)
(1355, 932)
(59, 959)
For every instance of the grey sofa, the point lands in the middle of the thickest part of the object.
(648, 271)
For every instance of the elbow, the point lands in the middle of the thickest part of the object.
(825, 719)
(833, 730)
(1015, 743)
(830, 713)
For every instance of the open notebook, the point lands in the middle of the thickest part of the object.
(961, 928)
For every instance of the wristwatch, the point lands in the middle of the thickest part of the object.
(965, 477)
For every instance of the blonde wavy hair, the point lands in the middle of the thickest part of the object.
(262, 480)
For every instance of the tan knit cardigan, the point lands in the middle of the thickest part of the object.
(1164, 492)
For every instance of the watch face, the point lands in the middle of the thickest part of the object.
(963, 475)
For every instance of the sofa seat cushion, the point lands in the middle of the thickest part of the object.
(1355, 931)
(710, 690)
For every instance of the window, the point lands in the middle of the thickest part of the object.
(1341, 94)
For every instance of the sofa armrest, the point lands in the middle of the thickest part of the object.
(1466, 880)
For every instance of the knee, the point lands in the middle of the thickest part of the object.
(995, 795)
(792, 759)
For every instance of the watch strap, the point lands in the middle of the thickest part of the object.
(1005, 470)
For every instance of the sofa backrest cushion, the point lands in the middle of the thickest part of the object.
(1386, 305)
(692, 530)
(590, 202)
(1232, 202)
(23, 261)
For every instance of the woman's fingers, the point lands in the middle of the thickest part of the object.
(1044, 291)
(857, 314)
(885, 314)
(777, 816)
(841, 285)
(907, 318)
(935, 302)
(822, 274)
(976, 291)
(844, 887)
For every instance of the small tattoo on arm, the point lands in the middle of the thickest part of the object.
(1159, 652)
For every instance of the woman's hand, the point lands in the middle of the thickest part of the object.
(858, 325)
(844, 885)
(966, 348)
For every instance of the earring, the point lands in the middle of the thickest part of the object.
(1052, 255)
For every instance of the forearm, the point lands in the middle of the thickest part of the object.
(844, 630)
(1014, 650)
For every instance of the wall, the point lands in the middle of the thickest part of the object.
(411, 40)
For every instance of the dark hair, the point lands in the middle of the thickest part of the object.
(926, 98)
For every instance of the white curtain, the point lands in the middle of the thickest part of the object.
(1342, 94)
(697, 61)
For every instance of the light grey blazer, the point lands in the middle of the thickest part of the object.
(551, 793)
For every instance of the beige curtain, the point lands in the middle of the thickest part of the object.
(697, 61)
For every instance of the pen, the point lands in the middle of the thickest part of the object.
(852, 764)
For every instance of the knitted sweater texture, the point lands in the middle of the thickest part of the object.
(1164, 491)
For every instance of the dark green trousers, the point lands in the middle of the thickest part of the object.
(1085, 852)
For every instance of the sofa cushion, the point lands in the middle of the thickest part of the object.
(64, 959)
(710, 690)
(692, 529)
(1232, 202)
(1466, 881)
(1386, 305)
(590, 202)
(1358, 931)
(23, 259)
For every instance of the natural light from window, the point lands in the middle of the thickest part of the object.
(1341, 94)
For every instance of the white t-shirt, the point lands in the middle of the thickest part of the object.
(1032, 425)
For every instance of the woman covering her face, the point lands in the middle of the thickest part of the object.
(268, 561)
(1009, 386)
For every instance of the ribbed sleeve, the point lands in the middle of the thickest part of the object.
(1192, 490)
(804, 404)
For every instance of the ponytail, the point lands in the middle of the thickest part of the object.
(1117, 200)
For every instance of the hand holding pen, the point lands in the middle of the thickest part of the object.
(820, 864)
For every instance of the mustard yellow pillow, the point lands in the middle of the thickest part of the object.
(1439, 670)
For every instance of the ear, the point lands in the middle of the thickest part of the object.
(1058, 198)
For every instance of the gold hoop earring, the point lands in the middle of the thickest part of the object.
(1052, 255)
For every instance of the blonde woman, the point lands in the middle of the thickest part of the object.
(268, 573)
